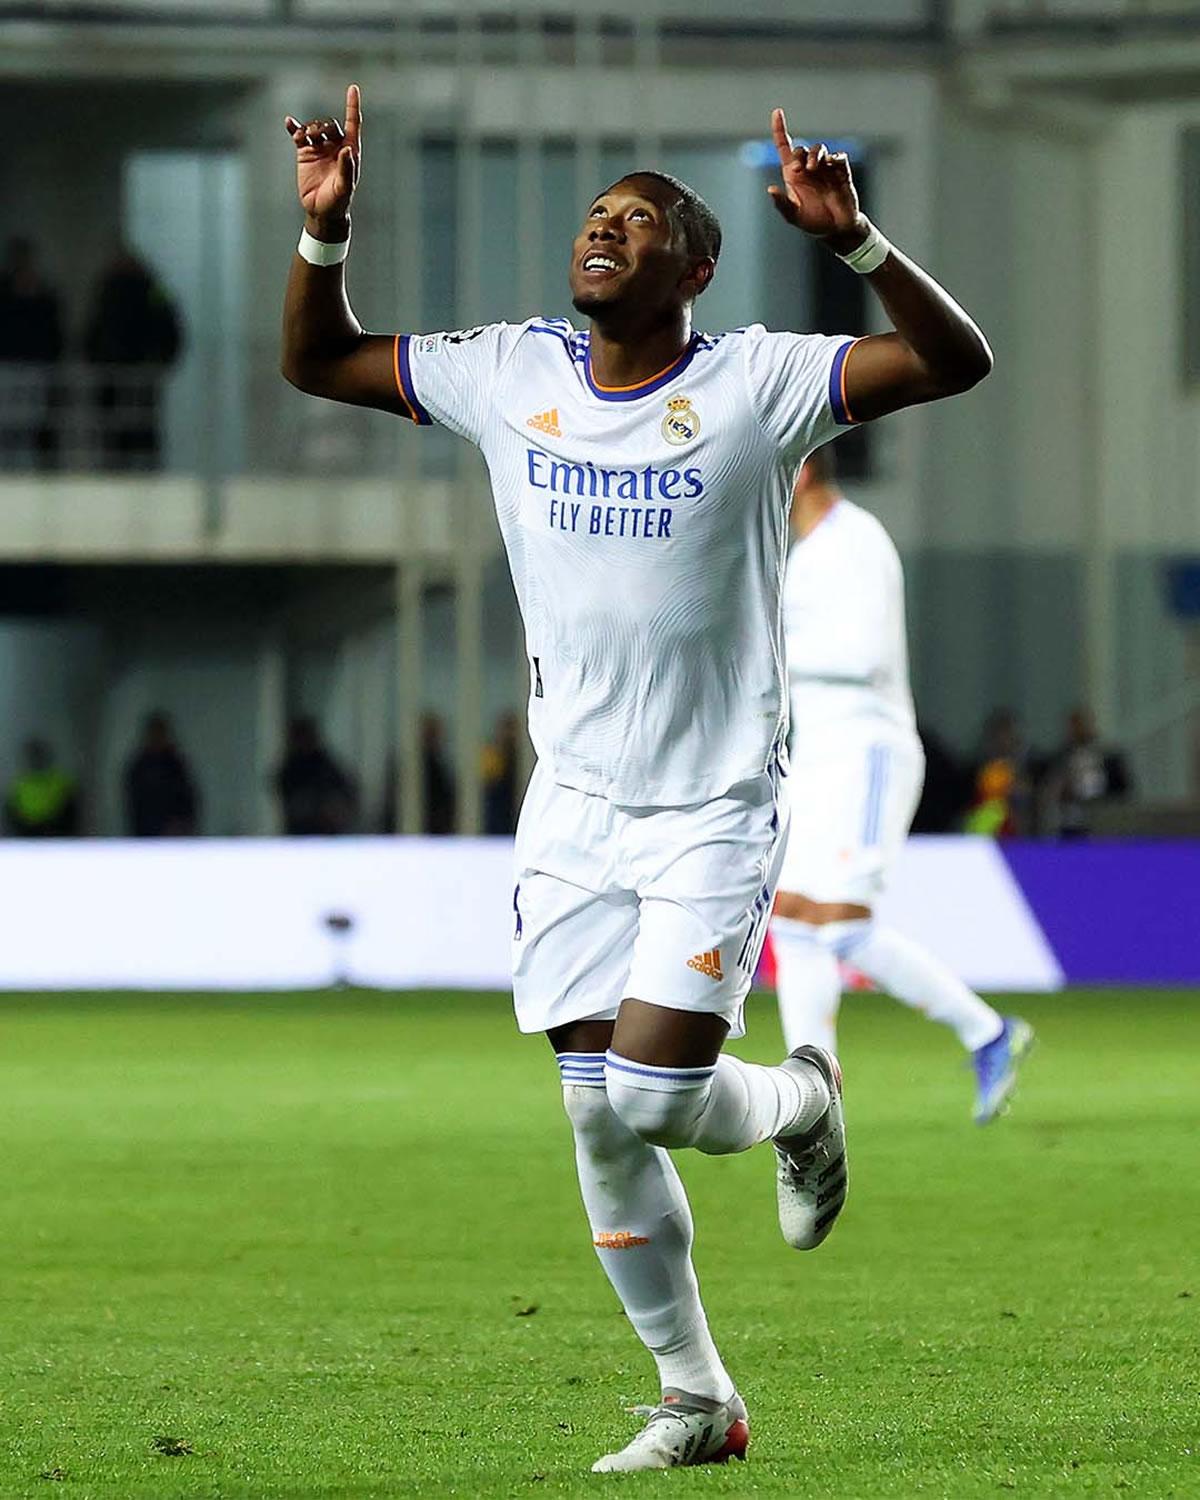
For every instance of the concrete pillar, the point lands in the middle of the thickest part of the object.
(270, 727)
(468, 606)
(410, 775)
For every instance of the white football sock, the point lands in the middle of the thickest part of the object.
(912, 974)
(642, 1232)
(808, 983)
(728, 1107)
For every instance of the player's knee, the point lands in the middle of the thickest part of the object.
(793, 907)
(584, 1099)
(843, 937)
(591, 1116)
(661, 1116)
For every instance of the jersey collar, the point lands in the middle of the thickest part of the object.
(643, 387)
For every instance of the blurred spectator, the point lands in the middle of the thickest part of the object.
(498, 768)
(440, 794)
(990, 814)
(134, 336)
(316, 795)
(947, 789)
(1002, 784)
(43, 800)
(160, 797)
(30, 325)
(1080, 774)
(30, 343)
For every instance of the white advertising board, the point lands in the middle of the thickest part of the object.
(959, 897)
(255, 914)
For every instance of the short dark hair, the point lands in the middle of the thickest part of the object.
(700, 226)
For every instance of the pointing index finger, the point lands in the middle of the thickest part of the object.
(783, 141)
(353, 114)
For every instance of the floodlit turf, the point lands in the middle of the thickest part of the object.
(331, 1246)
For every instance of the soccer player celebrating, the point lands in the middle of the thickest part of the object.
(642, 476)
(856, 773)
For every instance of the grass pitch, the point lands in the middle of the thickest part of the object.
(331, 1246)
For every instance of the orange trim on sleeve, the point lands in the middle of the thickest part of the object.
(400, 384)
(845, 364)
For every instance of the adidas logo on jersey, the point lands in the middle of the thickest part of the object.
(546, 421)
(707, 963)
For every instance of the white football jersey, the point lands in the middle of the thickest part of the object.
(646, 528)
(847, 652)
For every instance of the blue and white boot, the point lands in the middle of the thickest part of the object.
(996, 1065)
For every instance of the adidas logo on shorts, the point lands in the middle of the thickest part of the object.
(707, 963)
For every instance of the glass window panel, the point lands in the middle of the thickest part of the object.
(617, 157)
(498, 276)
(439, 284)
(1189, 180)
(562, 214)
(439, 233)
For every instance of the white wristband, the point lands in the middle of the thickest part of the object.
(870, 255)
(321, 252)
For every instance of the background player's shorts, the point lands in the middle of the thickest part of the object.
(665, 904)
(852, 802)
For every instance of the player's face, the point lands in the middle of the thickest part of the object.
(628, 251)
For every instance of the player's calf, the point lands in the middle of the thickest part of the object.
(726, 1107)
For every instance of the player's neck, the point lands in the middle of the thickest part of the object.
(811, 508)
(627, 355)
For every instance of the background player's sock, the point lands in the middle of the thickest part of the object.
(912, 974)
(642, 1231)
(728, 1107)
(808, 982)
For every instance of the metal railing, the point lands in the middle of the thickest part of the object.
(498, 17)
(70, 417)
(1047, 15)
(494, 21)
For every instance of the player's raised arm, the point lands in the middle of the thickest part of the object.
(325, 349)
(936, 350)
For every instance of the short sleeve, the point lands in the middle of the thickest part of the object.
(449, 377)
(798, 386)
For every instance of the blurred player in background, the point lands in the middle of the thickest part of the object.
(855, 782)
(642, 477)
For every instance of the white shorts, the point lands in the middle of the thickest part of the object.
(663, 904)
(852, 803)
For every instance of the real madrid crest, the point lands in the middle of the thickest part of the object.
(682, 422)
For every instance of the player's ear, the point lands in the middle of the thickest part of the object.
(700, 273)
